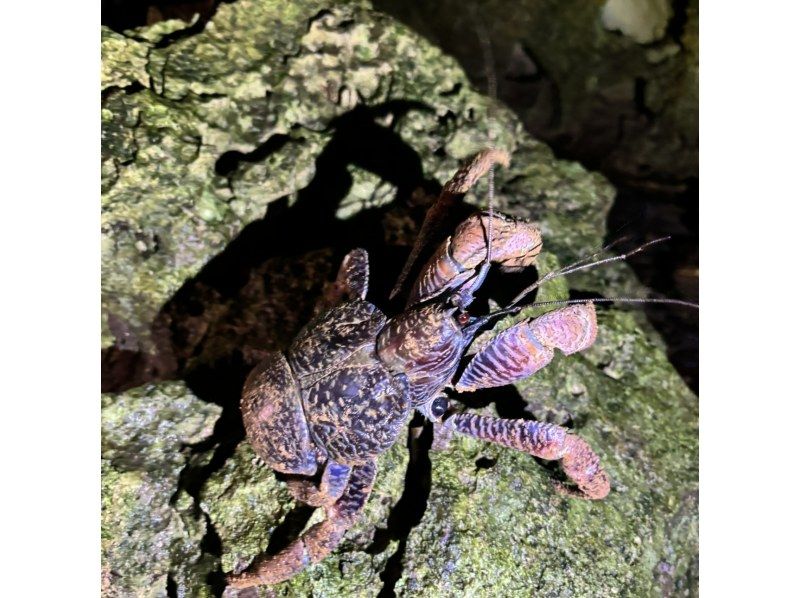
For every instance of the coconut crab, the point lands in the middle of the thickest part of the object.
(341, 393)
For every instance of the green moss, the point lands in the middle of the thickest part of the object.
(148, 528)
(262, 69)
(124, 61)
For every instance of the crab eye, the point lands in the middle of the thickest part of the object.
(463, 318)
(439, 406)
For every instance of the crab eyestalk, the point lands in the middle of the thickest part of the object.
(546, 441)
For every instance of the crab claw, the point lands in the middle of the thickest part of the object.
(528, 346)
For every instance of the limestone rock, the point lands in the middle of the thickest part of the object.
(150, 531)
(290, 108)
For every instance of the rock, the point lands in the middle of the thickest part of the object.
(302, 110)
(149, 530)
(645, 21)
(624, 101)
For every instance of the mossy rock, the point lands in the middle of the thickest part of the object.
(614, 82)
(202, 134)
(183, 124)
(149, 529)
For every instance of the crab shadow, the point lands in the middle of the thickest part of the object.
(257, 293)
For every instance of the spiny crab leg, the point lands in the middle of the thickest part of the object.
(318, 541)
(546, 441)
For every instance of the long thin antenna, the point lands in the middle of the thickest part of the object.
(518, 308)
(491, 84)
(582, 265)
(617, 300)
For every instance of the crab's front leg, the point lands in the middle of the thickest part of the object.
(546, 441)
(318, 541)
(528, 346)
(516, 353)
(460, 262)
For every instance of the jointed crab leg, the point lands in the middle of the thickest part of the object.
(528, 346)
(352, 281)
(333, 483)
(318, 541)
(546, 441)
(457, 262)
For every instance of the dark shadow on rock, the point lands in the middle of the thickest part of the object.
(669, 269)
(261, 289)
(289, 529)
(121, 15)
(410, 508)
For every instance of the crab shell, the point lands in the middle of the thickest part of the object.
(330, 396)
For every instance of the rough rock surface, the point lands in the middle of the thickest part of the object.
(150, 530)
(613, 83)
(323, 111)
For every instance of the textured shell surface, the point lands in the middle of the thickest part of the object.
(345, 334)
(355, 407)
(273, 416)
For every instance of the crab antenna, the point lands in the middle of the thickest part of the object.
(616, 300)
(480, 322)
(586, 258)
(582, 264)
(491, 84)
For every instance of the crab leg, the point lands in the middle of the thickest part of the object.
(318, 541)
(456, 263)
(333, 483)
(528, 346)
(546, 441)
(452, 192)
(352, 281)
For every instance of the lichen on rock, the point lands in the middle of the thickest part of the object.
(149, 529)
(202, 135)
